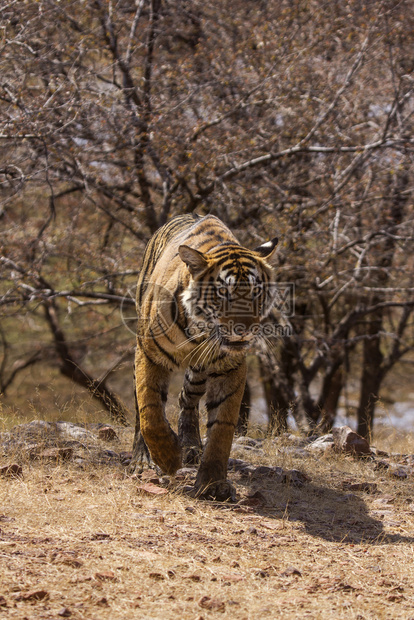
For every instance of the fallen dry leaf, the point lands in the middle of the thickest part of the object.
(107, 575)
(151, 489)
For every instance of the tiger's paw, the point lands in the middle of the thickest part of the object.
(141, 458)
(168, 459)
(168, 463)
(164, 448)
(220, 490)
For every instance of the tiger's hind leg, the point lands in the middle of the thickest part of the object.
(140, 453)
(188, 426)
(151, 392)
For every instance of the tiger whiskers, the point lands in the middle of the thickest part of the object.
(204, 354)
(197, 349)
(191, 338)
(207, 355)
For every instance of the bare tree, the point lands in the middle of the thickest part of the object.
(278, 117)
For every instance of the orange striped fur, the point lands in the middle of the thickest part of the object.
(200, 294)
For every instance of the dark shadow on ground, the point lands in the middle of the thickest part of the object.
(327, 513)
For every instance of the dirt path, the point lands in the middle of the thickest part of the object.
(89, 544)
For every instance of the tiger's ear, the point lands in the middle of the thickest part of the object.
(195, 260)
(266, 250)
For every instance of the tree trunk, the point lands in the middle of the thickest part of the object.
(371, 378)
(70, 368)
(373, 371)
(331, 401)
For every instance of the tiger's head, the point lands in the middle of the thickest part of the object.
(229, 292)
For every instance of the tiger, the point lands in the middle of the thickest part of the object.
(200, 298)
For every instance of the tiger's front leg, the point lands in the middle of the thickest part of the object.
(151, 392)
(224, 396)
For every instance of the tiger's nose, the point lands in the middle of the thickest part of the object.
(244, 324)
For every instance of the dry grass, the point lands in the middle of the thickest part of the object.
(99, 549)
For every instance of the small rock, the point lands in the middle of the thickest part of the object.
(150, 476)
(399, 472)
(74, 431)
(294, 451)
(55, 454)
(248, 441)
(106, 575)
(237, 465)
(107, 433)
(85, 578)
(213, 604)
(291, 570)
(247, 471)
(252, 530)
(68, 560)
(3, 602)
(35, 595)
(64, 612)
(377, 452)
(349, 442)
(266, 472)
(381, 465)
(11, 471)
(186, 471)
(326, 442)
(367, 487)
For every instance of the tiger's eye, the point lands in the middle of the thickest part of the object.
(257, 290)
(222, 291)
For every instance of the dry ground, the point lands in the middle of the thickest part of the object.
(86, 544)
